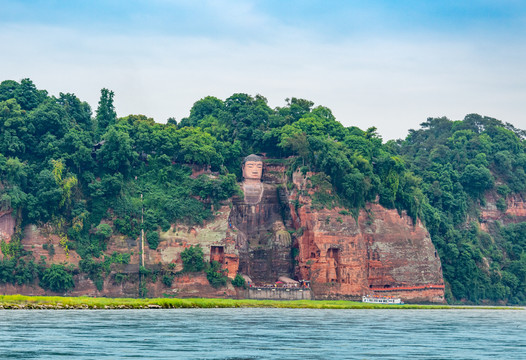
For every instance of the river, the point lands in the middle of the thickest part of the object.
(262, 334)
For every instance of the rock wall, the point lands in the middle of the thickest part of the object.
(347, 258)
(7, 225)
(515, 210)
(43, 243)
(214, 237)
(381, 251)
(183, 286)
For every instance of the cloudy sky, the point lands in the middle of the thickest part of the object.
(389, 64)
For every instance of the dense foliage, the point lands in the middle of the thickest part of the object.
(192, 258)
(459, 164)
(239, 281)
(57, 279)
(216, 276)
(91, 176)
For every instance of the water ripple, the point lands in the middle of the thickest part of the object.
(262, 334)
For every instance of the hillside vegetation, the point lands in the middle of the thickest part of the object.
(62, 165)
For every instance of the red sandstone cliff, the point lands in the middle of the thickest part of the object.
(381, 251)
(514, 212)
(7, 225)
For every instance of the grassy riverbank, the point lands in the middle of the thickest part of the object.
(58, 302)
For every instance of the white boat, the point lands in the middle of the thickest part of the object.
(388, 300)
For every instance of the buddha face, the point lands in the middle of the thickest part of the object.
(253, 170)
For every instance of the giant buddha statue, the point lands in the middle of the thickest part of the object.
(262, 241)
(252, 172)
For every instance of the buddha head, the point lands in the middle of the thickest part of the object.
(252, 168)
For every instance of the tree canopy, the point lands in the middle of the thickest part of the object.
(60, 163)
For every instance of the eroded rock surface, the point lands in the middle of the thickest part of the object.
(514, 212)
(343, 257)
(7, 225)
(348, 258)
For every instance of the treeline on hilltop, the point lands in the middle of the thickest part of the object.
(61, 164)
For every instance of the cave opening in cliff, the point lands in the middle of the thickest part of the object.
(333, 254)
(217, 253)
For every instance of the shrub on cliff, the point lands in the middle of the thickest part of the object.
(167, 280)
(215, 275)
(94, 270)
(153, 239)
(103, 231)
(239, 281)
(193, 259)
(56, 278)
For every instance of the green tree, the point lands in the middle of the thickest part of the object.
(56, 278)
(13, 129)
(215, 275)
(193, 259)
(167, 280)
(117, 155)
(198, 147)
(79, 112)
(476, 179)
(25, 93)
(106, 115)
(239, 281)
(104, 231)
(153, 239)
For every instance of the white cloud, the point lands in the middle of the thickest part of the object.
(392, 84)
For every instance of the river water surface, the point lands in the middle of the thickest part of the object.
(262, 334)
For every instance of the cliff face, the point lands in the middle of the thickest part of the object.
(514, 212)
(381, 251)
(7, 225)
(41, 242)
(343, 257)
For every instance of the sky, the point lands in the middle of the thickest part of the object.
(383, 63)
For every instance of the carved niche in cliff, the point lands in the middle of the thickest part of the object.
(7, 225)
(262, 240)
